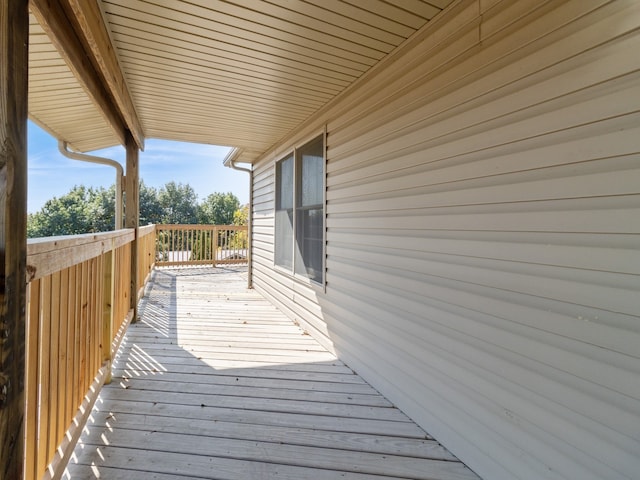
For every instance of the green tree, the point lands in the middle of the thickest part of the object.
(179, 204)
(90, 210)
(241, 216)
(82, 210)
(151, 210)
(218, 209)
(102, 208)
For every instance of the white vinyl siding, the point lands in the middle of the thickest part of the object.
(483, 236)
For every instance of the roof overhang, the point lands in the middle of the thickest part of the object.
(242, 73)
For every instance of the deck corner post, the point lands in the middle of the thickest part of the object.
(14, 41)
(132, 216)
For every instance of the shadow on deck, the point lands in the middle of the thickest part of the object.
(214, 382)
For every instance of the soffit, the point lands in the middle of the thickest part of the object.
(57, 101)
(241, 73)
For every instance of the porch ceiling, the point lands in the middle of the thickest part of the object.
(58, 102)
(241, 73)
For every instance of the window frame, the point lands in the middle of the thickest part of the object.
(291, 256)
(297, 180)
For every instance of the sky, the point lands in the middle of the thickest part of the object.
(53, 175)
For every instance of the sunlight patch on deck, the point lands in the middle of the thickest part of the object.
(214, 382)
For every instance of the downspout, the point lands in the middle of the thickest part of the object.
(62, 147)
(230, 162)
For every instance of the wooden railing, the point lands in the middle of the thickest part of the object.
(78, 308)
(146, 255)
(201, 245)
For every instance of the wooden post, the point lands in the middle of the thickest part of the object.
(14, 41)
(132, 215)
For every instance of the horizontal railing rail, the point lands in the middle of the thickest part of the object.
(178, 245)
(78, 308)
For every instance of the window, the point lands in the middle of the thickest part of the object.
(299, 219)
(284, 213)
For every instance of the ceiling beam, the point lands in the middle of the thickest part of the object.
(95, 32)
(52, 17)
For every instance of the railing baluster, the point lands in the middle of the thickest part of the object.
(43, 373)
(71, 334)
(197, 247)
(91, 317)
(84, 322)
(71, 343)
(215, 245)
(77, 323)
(54, 335)
(63, 422)
(32, 382)
(108, 302)
(186, 246)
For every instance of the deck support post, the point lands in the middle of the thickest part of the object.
(14, 41)
(132, 216)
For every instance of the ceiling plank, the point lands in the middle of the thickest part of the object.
(90, 20)
(51, 16)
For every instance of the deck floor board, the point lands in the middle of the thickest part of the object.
(214, 382)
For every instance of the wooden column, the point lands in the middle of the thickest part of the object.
(132, 215)
(14, 41)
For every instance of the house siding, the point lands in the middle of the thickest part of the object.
(483, 221)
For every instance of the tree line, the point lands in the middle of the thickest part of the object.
(91, 210)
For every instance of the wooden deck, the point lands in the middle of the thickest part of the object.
(215, 383)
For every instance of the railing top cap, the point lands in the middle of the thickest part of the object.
(47, 244)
